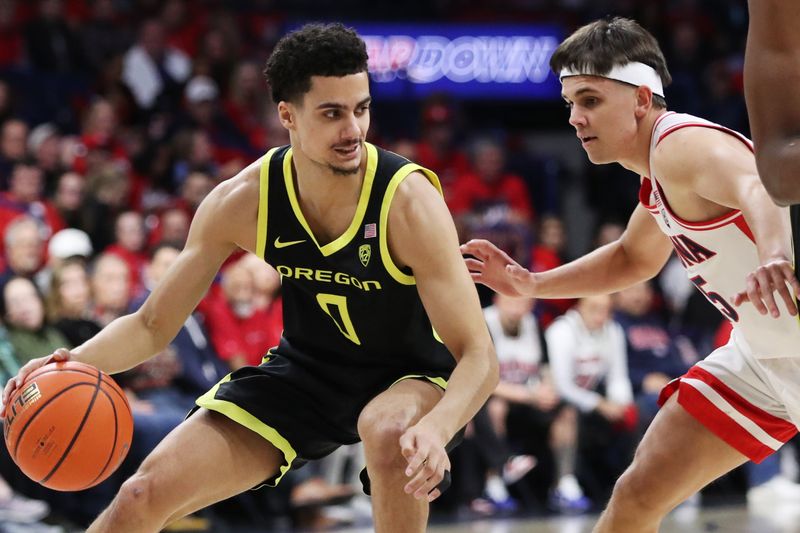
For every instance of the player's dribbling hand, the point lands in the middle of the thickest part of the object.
(494, 268)
(777, 275)
(62, 354)
(427, 459)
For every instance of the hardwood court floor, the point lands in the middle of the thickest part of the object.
(733, 519)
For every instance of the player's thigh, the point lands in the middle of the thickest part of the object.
(677, 457)
(398, 407)
(208, 458)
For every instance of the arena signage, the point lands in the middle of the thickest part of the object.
(467, 61)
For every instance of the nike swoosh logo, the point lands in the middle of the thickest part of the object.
(279, 244)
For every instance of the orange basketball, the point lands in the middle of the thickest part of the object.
(69, 426)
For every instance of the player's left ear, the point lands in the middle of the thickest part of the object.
(286, 114)
(644, 100)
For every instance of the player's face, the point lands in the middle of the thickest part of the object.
(331, 124)
(602, 111)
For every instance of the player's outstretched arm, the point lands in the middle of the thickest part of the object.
(771, 78)
(422, 236)
(637, 256)
(131, 339)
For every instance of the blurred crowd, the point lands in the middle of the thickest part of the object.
(117, 117)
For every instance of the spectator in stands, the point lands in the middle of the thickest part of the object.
(247, 104)
(548, 253)
(12, 45)
(172, 225)
(200, 368)
(105, 35)
(24, 249)
(655, 355)
(588, 360)
(44, 147)
(204, 113)
(70, 198)
(51, 44)
(129, 245)
(13, 146)
(240, 332)
(110, 282)
(28, 330)
(491, 186)
(107, 189)
(25, 196)
(526, 409)
(437, 149)
(69, 301)
(153, 70)
(100, 142)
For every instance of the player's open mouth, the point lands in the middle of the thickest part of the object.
(587, 139)
(348, 151)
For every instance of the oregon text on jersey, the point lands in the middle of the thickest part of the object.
(326, 276)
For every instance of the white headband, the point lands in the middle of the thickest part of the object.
(634, 73)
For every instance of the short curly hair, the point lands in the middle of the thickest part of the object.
(313, 50)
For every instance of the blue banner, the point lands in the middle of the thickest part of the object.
(466, 61)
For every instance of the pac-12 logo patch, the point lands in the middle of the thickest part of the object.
(364, 253)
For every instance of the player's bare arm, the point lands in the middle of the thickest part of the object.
(637, 256)
(422, 236)
(771, 77)
(715, 173)
(133, 338)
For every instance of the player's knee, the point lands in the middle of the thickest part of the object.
(381, 437)
(635, 492)
(136, 496)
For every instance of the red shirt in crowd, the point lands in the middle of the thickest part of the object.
(470, 192)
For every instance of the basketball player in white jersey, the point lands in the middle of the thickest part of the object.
(701, 197)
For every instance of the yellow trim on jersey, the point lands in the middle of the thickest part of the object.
(394, 183)
(366, 188)
(239, 415)
(263, 188)
(440, 382)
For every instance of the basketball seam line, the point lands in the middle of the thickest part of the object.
(77, 431)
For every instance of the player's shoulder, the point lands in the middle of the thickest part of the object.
(234, 200)
(691, 149)
(416, 195)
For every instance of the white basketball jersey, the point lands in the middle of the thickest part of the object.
(519, 357)
(718, 254)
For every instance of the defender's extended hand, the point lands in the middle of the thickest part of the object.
(495, 269)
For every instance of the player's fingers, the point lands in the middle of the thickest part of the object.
(766, 288)
(427, 477)
(408, 445)
(740, 298)
(473, 265)
(477, 277)
(753, 294)
(8, 390)
(61, 354)
(784, 291)
(477, 247)
(791, 276)
(434, 477)
(432, 495)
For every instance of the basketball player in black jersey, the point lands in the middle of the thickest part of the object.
(384, 338)
(771, 78)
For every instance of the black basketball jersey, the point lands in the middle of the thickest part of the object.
(346, 304)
